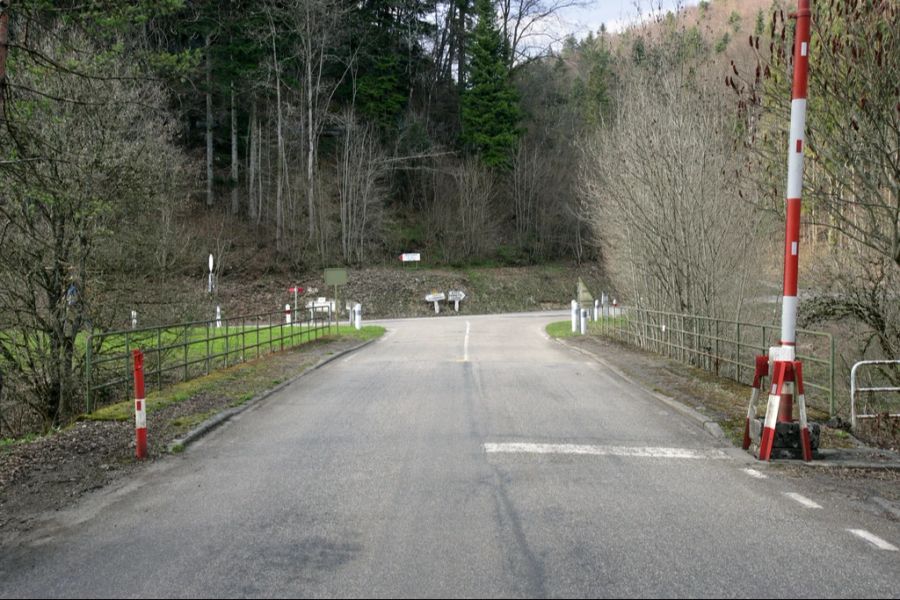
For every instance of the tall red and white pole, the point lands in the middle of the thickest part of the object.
(795, 179)
(140, 406)
(786, 368)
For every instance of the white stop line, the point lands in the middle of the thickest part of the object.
(624, 451)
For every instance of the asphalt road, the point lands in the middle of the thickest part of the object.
(459, 457)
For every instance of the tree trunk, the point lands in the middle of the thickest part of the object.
(235, 196)
(4, 41)
(251, 167)
(209, 126)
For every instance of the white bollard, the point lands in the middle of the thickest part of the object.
(218, 316)
(574, 316)
(134, 319)
(357, 310)
(437, 308)
(596, 310)
(584, 320)
(287, 314)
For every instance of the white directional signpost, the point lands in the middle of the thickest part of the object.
(437, 298)
(456, 296)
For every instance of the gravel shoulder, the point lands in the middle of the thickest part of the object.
(52, 472)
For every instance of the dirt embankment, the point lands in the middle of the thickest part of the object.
(384, 292)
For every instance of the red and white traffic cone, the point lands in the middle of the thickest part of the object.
(140, 406)
(805, 442)
(761, 371)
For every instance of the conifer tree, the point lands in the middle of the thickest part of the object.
(490, 104)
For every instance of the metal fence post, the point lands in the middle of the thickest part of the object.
(187, 334)
(717, 359)
(158, 359)
(831, 376)
(88, 352)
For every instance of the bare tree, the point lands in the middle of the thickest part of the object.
(99, 146)
(475, 192)
(361, 170)
(527, 26)
(675, 234)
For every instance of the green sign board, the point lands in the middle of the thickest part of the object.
(335, 276)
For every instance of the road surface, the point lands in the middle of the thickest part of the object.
(460, 457)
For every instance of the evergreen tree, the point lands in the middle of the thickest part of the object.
(490, 104)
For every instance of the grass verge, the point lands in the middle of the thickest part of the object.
(235, 385)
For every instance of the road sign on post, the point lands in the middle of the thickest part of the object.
(456, 296)
(413, 257)
(437, 298)
(336, 277)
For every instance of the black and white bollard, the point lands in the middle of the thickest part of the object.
(287, 314)
(134, 319)
(584, 321)
(218, 316)
(357, 316)
(596, 310)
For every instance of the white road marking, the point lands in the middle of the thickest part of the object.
(803, 500)
(628, 451)
(466, 343)
(874, 540)
(755, 473)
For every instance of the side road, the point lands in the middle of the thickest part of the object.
(52, 472)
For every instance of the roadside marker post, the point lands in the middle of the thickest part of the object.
(140, 406)
(134, 321)
(574, 314)
(287, 314)
(357, 314)
(584, 321)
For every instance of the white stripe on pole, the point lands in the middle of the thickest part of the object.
(795, 158)
(789, 321)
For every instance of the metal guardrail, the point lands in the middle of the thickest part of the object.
(726, 348)
(184, 351)
(854, 389)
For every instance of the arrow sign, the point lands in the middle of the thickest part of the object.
(457, 295)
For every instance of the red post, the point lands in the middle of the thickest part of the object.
(140, 406)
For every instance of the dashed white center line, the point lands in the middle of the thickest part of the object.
(755, 473)
(466, 343)
(874, 540)
(803, 500)
(625, 451)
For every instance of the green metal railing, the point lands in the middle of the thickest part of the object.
(726, 348)
(183, 351)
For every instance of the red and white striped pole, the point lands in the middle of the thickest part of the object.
(781, 406)
(140, 406)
